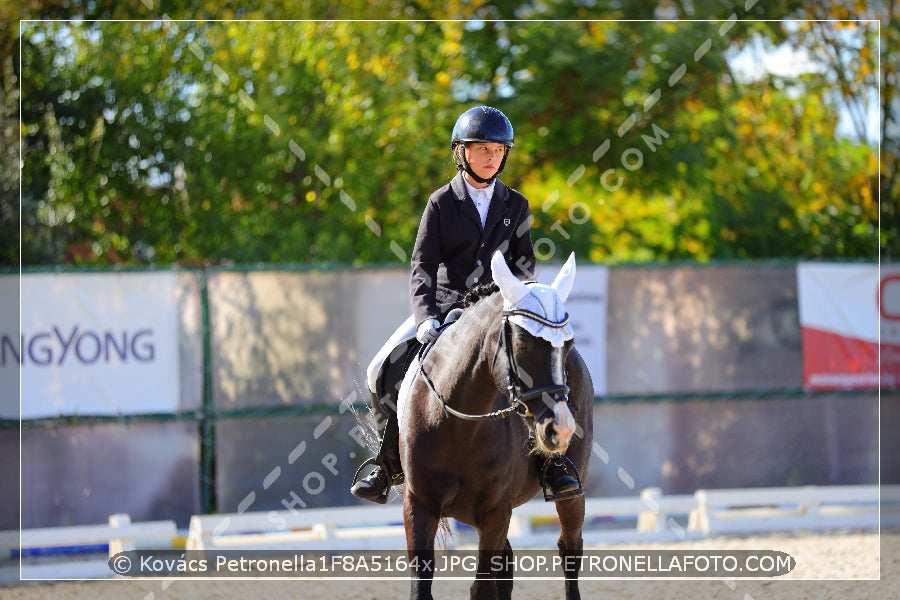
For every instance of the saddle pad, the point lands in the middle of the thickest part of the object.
(413, 368)
(403, 394)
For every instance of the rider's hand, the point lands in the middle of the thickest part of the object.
(428, 331)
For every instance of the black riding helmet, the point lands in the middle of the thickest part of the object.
(481, 124)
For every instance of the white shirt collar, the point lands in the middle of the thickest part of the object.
(474, 191)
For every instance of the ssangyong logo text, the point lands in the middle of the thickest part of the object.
(61, 346)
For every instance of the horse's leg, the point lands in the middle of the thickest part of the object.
(570, 543)
(421, 526)
(492, 544)
(505, 577)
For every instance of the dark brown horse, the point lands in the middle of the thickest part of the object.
(501, 389)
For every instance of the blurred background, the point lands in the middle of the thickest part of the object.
(206, 215)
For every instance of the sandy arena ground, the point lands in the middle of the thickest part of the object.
(830, 566)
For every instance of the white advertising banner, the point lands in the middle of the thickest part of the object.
(9, 346)
(95, 344)
(587, 305)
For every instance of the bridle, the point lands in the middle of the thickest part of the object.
(517, 391)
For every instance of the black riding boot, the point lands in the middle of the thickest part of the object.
(388, 471)
(558, 483)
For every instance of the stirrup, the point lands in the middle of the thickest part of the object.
(549, 496)
(392, 480)
(382, 497)
(395, 479)
(370, 461)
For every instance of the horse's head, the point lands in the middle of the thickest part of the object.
(537, 338)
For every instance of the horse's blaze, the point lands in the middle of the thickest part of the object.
(565, 423)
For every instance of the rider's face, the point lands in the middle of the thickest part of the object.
(485, 158)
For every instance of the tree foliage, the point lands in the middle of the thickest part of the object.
(185, 139)
(9, 166)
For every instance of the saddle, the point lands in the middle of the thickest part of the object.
(394, 369)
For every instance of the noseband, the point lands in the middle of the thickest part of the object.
(516, 389)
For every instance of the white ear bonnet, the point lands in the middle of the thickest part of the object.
(545, 301)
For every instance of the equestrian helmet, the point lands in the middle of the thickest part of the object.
(482, 124)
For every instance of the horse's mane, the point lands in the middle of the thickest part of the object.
(477, 292)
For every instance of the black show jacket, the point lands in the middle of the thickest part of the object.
(452, 252)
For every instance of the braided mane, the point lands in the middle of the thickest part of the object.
(477, 292)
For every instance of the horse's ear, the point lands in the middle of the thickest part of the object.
(511, 288)
(565, 279)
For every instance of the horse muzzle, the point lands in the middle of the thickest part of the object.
(555, 424)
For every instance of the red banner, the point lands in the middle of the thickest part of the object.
(839, 318)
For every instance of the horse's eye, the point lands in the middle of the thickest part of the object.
(520, 342)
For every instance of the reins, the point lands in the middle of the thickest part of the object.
(514, 386)
(497, 414)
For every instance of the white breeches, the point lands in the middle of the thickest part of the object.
(405, 331)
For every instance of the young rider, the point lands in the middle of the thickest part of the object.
(463, 224)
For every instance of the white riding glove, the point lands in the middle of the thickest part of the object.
(428, 331)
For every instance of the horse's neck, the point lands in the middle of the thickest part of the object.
(467, 356)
